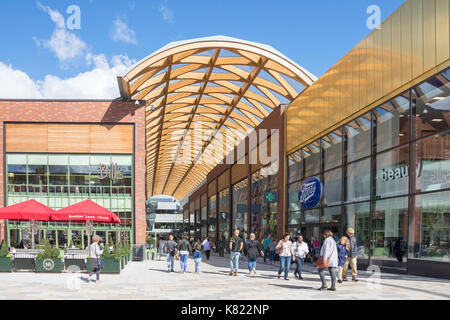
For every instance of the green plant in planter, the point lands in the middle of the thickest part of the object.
(5, 258)
(4, 253)
(48, 252)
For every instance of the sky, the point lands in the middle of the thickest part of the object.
(50, 51)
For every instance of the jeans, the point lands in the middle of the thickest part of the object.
(170, 262)
(207, 252)
(197, 264)
(251, 264)
(97, 273)
(183, 261)
(298, 270)
(332, 272)
(272, 255)
(234, 261)
(285, 264)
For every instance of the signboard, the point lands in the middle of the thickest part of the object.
(112, 171)
(310, 193)
(168, 218)
(270, 197)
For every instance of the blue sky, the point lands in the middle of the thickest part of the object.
(43, 57)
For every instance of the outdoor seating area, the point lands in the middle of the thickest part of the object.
(48, 258)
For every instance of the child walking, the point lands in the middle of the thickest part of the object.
(342, 249)
(197, 256)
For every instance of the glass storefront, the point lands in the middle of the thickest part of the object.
(60, 180)
(224, 215)
(240, 207)
(212, 220)
(393, 167)
(263, 214)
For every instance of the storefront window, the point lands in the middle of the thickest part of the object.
(431, 158)
(357, 216)
(357, 138)
(389, 233)
(332, 149)
(203, 222)
(392, 123)
(331, 219)
(224, 215)
(212, 216)
(240, 206)
(295, 168)
(430, 227)
(431, 105)
(392, 177)
(293, 190)
(333, 187)
(311, 158)
(357, 181)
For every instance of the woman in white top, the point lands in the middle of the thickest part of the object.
(300, 250)
(286, 252)
(329, 251)
(95, 253)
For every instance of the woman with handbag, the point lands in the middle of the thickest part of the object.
(95, 253)
(328, 259)
(285, 250)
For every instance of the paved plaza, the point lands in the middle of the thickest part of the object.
(150, 280)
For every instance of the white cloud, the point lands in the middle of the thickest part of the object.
(98, 83)
(65, 44)
(123, 33)
(166, 13)
(16, 84)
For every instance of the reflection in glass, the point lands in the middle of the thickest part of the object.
(392, 123)
(357, 181)
(392, 177)
(431, 105)
(240, 210)
(357, 138)
(357, 216)
(224, 215)
(331, 219)
(332, 187)
(212, 219)
(430, 227)
(389, 233)
(332, 149)
(294, 163)
(311, 158)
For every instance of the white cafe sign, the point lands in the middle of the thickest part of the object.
(112, 171)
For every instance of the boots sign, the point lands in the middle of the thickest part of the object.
(110, 172)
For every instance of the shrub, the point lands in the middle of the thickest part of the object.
(4, 253)
(47, 251)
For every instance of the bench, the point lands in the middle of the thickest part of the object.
(24, 259)
(75, 257)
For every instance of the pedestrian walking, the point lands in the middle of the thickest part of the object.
(285, 250)
(352, 256)
(300, 250)
(315, 248)
(184, 249)
(236, 245)
(266, 247)
(253, 250)
(342, 248)
(95, 258)
(197, 256)
(328, 259)
(170, 249)
(272, 250)
(207, 247)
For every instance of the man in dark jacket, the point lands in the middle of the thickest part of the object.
(184, 248)
(170, 249)
(351, 257)
(253, 250)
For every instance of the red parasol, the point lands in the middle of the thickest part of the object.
(86, 210)
(27, 210)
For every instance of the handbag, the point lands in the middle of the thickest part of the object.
(279, 249)
(324, 264)
(100, 263)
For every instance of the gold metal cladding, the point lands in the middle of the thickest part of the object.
(220, 83)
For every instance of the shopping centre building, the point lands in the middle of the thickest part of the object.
(253, 141)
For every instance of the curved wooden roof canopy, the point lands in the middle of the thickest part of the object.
(217, 83)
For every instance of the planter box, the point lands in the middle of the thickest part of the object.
(122, 262)
(80, 263)
(53, 265)
(5, 264)
(110, 266)
(24, 264)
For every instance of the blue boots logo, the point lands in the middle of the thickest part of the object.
(310, 193)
